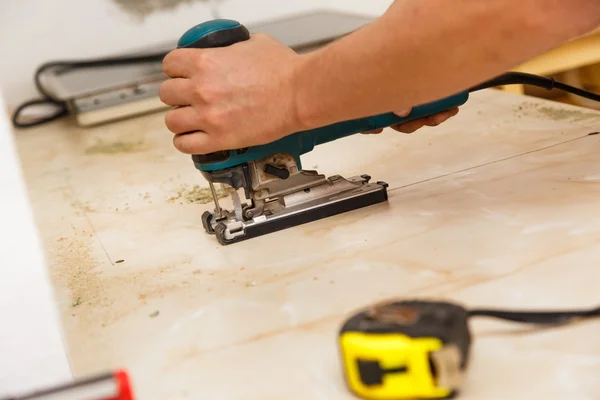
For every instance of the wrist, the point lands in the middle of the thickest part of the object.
(308, 114)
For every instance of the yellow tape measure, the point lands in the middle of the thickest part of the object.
(406, 350)
(419, 349)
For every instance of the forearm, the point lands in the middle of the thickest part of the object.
(420, 51)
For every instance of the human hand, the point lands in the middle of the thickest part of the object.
(411, 126)
(229, 98)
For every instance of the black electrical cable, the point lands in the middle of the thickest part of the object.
(61, 106)
(537, 317)
(521, 78)
(577, 91)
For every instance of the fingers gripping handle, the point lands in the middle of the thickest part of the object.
(225, 32)
(210, 34)
(215, 33)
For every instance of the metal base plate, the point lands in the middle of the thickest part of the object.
(360, 194)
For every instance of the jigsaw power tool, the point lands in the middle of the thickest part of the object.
(280, 193)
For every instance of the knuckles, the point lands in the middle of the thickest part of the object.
(173, 62)
(163, 89)
(202, 60)
(209, 92)
(184, 145)
(171, 121)
(167, 64)
(216, 118)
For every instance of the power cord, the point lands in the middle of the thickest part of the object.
(537, 317)
(63, 66)
(521, 78)
(61, 106)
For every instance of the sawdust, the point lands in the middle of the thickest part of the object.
(95, 297)
(529, 108)
(116, 147)
(154, 314)
(143, 8)
(74, 268)
(96, 292)
(76, 204)
(557, 114)
(195, 194)
(82, 206)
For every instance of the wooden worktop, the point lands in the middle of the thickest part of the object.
(498, 207)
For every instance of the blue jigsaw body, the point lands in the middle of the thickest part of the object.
(223, 32)
(304, 142)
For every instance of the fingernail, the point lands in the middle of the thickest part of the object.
(441, 118)
(403, 113)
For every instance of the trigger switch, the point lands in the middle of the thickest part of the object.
(278, 172)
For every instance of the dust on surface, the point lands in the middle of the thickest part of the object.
(554, 113)
(116, 147)
(558, 114)
(143, 8)
(96, 291)
(82, 206)
(195, 194)
(94, 296)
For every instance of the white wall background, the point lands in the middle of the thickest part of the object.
(35, 31)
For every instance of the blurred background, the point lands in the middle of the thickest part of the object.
(38, 31)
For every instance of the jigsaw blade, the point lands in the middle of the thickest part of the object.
(237, 205)
(215, 199)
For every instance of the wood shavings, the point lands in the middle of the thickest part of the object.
(557, 114)
(116, 147)
(539, 110)
(195, 194)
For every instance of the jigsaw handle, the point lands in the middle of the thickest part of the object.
(346, 128)
(225, 32)
(215, 33)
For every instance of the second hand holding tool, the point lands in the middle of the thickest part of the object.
(281, 194)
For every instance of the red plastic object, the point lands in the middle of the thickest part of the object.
(124, 384)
